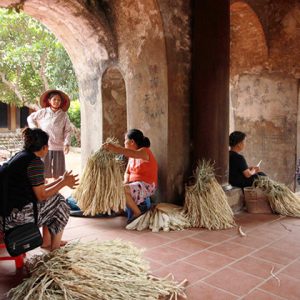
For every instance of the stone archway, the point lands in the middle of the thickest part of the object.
(248, 47)
(85, 34)
(114, 104)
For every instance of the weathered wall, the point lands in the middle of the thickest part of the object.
(114, 104)
(265, 108)
(265, 64)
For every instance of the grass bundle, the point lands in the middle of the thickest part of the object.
(282, 200)
(101, 187)
(100, 271)
(205, 201)
(164, 216)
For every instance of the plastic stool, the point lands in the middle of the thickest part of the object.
(129, 211)
(19, 260)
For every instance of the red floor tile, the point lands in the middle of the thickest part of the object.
(233, 281)
(293, 270)
(189, 245)
(288, 288)
(203, 291)
(165, 255)
(212, 237)
(209, 260)
(251, 241)
(183, 270)
(256, 266)
(231, 249)
(276, 255)
(261, 295)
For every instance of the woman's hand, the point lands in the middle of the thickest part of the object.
(70, 180)
(66, 149)
(110, 147)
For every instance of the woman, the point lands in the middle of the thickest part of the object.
(240, 174)
(53, 119)
(140, 177)
(25, 186)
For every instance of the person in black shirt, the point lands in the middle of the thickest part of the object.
(240, 174)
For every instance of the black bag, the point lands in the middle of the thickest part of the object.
(22, 238)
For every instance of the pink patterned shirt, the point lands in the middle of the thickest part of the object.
(56, 124)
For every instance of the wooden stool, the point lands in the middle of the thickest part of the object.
(19, 260)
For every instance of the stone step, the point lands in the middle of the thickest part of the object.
(236, 199)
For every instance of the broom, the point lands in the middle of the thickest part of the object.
(282, 199)
(101, 188)
(205, 201)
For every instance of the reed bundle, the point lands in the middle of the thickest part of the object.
(164, 216)
(282, 200)
(95, 271)
(205, 201)
(101, 187)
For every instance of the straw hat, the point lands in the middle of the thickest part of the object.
(64, 97)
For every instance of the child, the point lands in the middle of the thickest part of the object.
(53, 119)
(140, 177)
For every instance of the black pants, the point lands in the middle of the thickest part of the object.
(249, 181)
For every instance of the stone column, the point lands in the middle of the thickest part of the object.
(210, 84)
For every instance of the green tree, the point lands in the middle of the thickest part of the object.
(31, 61)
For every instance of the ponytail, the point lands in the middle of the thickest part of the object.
(139, 138)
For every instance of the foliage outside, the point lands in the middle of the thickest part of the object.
(32, 61)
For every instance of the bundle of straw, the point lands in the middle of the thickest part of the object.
(101, 187)
(164, 216)
(205, 201)
(282, 199)
(87, 271)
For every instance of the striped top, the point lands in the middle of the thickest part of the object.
(35, 172)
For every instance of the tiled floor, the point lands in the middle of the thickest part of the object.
(218, 264)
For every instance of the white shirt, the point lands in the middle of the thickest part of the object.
(56, 124)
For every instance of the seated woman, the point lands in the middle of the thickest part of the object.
(26, 186)
(140, 177)
(240, 174)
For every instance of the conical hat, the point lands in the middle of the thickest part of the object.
(64, 97)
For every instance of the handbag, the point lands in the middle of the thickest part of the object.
(21, 238)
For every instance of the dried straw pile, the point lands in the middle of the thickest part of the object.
(282, 199)
(111, 270)
(205, 201)
(101, 187)
(164, 216)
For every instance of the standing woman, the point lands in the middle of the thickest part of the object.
(53, 119)
(140, 177)
(25, 186)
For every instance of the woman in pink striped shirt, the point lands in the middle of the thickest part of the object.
(54, 120)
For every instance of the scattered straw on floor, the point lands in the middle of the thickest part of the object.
(101, 187)
(110, 270)
(164, 216)
(205, 201)
(282, 199)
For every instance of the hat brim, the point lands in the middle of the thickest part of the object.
(65, 99)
